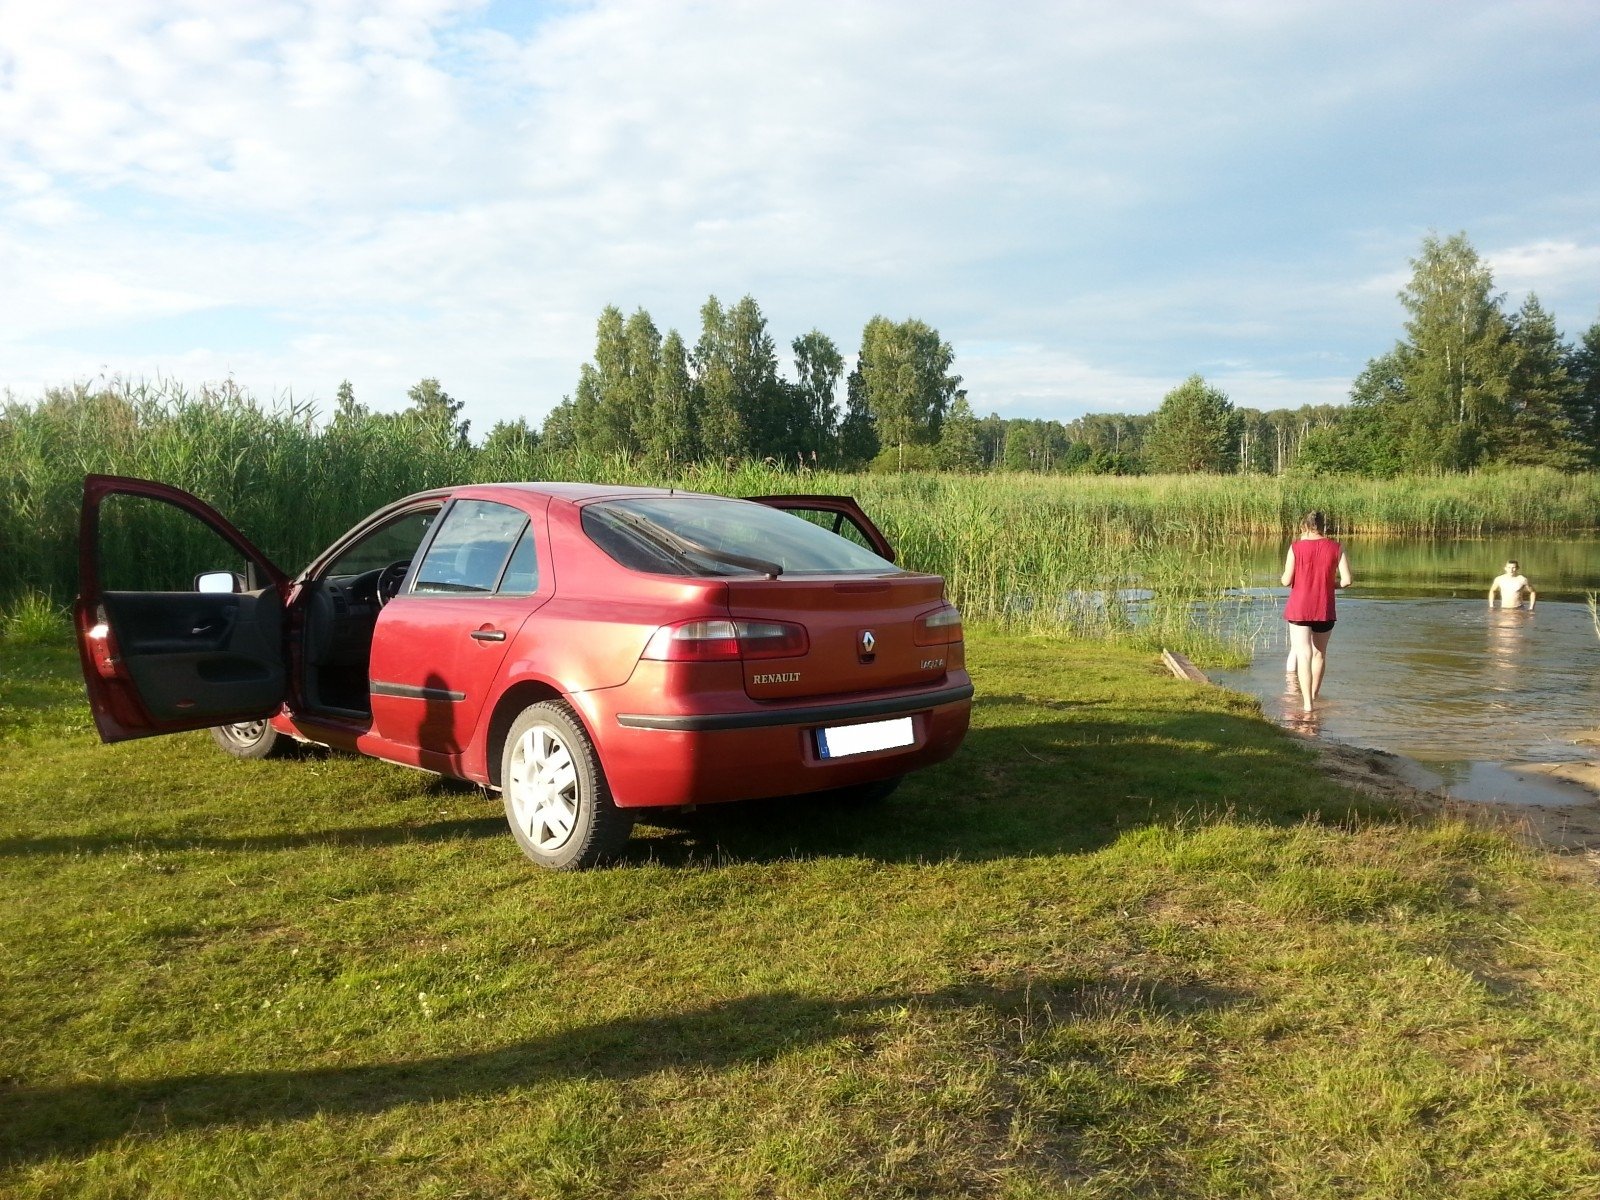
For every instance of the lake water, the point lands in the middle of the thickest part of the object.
(1420, 666)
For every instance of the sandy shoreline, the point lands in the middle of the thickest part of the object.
(1572, 829)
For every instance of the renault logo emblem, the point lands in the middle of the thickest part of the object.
(869, 642)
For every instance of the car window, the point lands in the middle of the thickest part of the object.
(471, 548)
(707, 535)
(395, 542)
(522, 575)
(834, 522)
(150, 545)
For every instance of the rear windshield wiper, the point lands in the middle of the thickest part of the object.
(683, 548)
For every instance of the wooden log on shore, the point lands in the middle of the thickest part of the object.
(1182, 667)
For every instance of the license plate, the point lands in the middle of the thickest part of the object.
(841, 741)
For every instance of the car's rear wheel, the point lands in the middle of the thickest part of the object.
(556, 798)
(251, 739)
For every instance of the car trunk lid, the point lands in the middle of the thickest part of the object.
(860, 632)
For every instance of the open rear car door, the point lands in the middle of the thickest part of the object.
(159, 655)
(840, 514)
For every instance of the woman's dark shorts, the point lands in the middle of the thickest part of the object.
(1315, 626)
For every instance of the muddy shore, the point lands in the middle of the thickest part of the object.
(1570, 829)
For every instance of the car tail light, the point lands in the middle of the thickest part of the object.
(726, 641)
(103, 650)
(940, 627)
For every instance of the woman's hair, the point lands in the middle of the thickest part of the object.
(1314, 522)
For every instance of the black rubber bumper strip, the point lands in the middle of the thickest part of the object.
(816, 714)
(411, 692)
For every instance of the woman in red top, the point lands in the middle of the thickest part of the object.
(1314, 568)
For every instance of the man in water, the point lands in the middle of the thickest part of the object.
(1510, 586)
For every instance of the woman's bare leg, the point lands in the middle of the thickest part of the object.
(1319, 660)
(1300, 651)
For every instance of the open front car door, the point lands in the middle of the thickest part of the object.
(159, 654)
(840, 514)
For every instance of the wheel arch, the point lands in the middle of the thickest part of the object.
(506, 710)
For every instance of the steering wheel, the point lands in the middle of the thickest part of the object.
(390, 579)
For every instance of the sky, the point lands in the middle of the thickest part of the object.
(1090, 202)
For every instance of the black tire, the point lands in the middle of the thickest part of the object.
(251, 739)
(556, 798)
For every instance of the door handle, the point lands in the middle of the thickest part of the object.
(488, 635)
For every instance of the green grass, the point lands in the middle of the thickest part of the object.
(1127, 943)
(34, 620)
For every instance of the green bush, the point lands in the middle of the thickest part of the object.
(34, 620)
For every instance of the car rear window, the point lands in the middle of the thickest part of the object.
(706, 535)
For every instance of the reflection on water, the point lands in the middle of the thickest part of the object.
(1442, 678)
(1559, 568)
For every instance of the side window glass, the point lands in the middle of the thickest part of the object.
(833, 522)
(852, 532)
(522, 575)
(471, 548)
(395, 542)
(148, 545)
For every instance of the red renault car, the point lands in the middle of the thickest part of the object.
(587, 651)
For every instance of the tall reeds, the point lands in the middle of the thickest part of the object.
(1130, 559)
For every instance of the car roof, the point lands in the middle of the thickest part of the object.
(577, 492)
(572, 493)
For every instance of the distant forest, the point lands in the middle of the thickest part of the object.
(1469, 385)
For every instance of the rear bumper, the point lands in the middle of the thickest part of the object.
(671, 759)
(815, 714)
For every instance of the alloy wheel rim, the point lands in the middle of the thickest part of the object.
(246, 731)
(543, 786)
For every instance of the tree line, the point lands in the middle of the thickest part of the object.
(724, 397)
(1196, 429)
(895, 418)
(1470, 385)
(654, 396)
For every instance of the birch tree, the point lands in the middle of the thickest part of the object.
(1458, 366)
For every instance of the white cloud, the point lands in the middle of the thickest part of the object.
(1267, 390)
(1037, 381)
(1561, 272)
(1016, 380)
(235, 108)
(1089, 202)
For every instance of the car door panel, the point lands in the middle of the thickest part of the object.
(436, 650)
(165, 661)
(431, 673)
(199, 652)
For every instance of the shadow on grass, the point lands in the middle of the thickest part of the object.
(1054, 787)
(1033, 787)
(74, 1119)
(371, 835)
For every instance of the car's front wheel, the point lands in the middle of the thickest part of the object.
(556, 798)
(251, 739)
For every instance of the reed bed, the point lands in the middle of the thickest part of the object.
(1142, 560)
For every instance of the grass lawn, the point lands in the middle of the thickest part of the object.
(1127, 943)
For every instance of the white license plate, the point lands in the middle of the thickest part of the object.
(843, 740)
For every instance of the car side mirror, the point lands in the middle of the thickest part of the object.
(218, 581)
